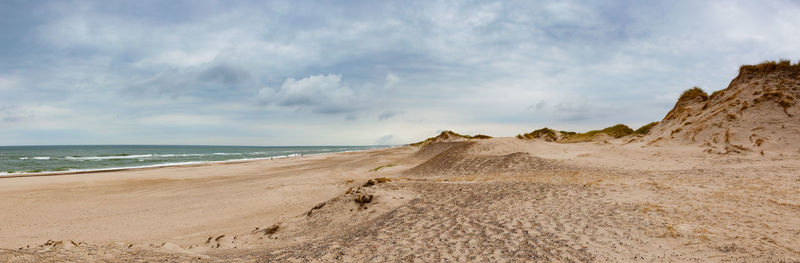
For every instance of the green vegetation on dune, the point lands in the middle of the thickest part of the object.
(383, 166)
(545, 133)
(715, 94)
(447, 135)
(646, 128)
(568, 132)
(480, 136)
(616, 131)
(692, 93)
(770, 66)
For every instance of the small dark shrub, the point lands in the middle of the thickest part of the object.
(363, 199)
(693, 93)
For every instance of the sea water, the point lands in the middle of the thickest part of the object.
(38, 159)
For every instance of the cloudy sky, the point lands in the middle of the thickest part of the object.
(363, 72)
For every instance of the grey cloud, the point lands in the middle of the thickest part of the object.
(325, 94)
(12, 118)
(198, 81)
(11, 114)
(576, 109)
(224, 74)
(538, 106)
(169, 82)
(389, 114)
(580, 108)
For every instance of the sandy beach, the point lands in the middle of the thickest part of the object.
(500, 199)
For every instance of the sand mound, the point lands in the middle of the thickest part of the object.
(449, 136)
(433, 149)
(545, 134)
(609, 133)
(757, 112)
(471, 158)
(355, 207)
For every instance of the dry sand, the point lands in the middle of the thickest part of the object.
(495, 200)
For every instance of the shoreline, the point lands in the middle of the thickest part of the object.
(170, 165)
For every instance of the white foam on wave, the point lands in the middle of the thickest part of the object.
(147, 156)
(152, 165)
(143, 157)
(36, 158)
(95, 158)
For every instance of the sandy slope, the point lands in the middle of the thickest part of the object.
(501, 199)
(176, 204)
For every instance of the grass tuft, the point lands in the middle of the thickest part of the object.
(381, 180)
(447, 135)
(481, 136)
(693, 93)
(616, 131)
(271, 230)
(545, 133)
(382, 166)
(363, 199)
(646, 128)
(770, 66)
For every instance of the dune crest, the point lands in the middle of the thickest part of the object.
(757, 113)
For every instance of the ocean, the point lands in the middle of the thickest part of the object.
(38, 159)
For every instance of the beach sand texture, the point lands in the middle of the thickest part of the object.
(538, 200)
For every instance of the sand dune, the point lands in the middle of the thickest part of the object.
(758, 112)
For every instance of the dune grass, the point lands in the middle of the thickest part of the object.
(715, 94)
(692, 93)
(545, 133)
(381, 180)
(616, 131)
(447, 135)
(646, 128)
(481, 136)
(375, 181)
(770, 66)
(383, 166)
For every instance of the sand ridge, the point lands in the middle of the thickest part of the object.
(758, 112)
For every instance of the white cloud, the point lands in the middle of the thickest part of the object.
(177, 58)
(391, 81)
(319, 93)
(327, 94)
(7, 84)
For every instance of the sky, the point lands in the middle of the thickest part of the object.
(363, 72)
